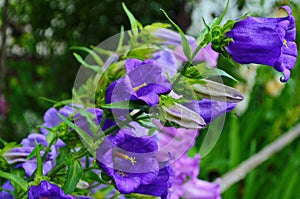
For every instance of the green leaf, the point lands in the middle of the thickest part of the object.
(133, 21)
(50, 137)
(223, 13)
(86, 139)
(185, 45)
(73, 176)
(202, 71)
(124, 105)
(95, 68)
(18, 180)
(89, 51)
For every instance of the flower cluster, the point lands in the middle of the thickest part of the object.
(154, 95)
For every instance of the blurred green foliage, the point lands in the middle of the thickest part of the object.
(39, 60)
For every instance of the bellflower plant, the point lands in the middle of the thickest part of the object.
(162, 86)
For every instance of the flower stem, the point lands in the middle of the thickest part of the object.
(81, 153)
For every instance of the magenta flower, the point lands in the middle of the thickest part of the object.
(144, 81)
(47, 190)
(269, 41)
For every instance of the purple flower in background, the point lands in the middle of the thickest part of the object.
(269, 41)
(82, 122)
(174, 141)
(5, 188)
(144, 81)
(51, 118)
(47, 190)
(202, 189)
(167, 60)
(210, 109)
(171, 37)
(19, 155)
(206, 54)
(129, 160)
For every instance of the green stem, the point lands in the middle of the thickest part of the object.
(81, 153)
(39, 167)
(182, 72)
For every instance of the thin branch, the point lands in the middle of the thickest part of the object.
(3, 66)
(248, 165)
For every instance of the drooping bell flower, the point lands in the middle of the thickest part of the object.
(269, 41)
(144, 81)
(47, 190)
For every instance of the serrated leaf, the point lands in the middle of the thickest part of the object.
(185, 45)
(73, 176)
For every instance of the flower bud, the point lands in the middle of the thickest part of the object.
(183, 116)
(217, 91)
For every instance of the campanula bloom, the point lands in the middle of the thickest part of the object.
(162, 183)
(144, 81)
(6, 187)
(19, 155)
(172, 38)
(269, 41)
(51, 118)
(129, 160)
(47, 190)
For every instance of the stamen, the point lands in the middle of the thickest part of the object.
(285, 43)
(121, 173)
(139, 87)
(124, 156)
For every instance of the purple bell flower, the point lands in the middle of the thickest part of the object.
(269, 41)
(47, 190)
(172, 38)
(161, 185)
(144, 81)
(19, 155)
(129, 160)
(7, 187)
(51, 118)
